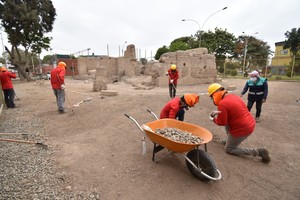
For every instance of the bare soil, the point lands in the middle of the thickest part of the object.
(100, 148)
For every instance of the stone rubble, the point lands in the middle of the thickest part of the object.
(27, 171)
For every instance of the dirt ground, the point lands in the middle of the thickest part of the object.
(100, 148)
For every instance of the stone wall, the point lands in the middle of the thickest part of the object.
(195, 66)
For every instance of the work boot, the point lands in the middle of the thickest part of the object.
(264, 154)
(223, 142)
(61, 111)
(257, 119)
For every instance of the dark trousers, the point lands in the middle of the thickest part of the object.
(172, 90)
(9, 97)
(180, 115)
(258, 104)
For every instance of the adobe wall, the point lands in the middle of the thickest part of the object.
(195, 66)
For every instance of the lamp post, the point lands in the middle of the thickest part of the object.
(245, 51)
(123, 48)
(201, 27)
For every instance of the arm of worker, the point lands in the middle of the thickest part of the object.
(12, 75)
(245, 89)
(265, 92)
(214, 114)
(220, 117)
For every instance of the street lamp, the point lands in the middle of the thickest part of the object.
(123, 48)
(201, 28)
(245, 51)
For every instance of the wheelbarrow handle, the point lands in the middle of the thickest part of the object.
(153, 114)
(138, 125)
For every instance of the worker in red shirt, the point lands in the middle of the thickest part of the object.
(58, 85)
(174, 109)
(173, 75)
(239, 123)
(7, 86)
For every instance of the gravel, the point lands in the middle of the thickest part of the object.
(27, 171)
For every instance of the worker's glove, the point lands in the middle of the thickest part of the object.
(167, 73)
(264, 100)
(213, 114)
(63, 86)
(171, 80)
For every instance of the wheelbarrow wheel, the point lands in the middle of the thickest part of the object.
(206, 164)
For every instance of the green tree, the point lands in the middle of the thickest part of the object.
(161, 51)
(26, 23)
(293, 43)
(175, 46)
(257, 53)
(220, 42)
(48, 59)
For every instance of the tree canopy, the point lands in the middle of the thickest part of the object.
(224, 45)
(293, 43)
(26, 23)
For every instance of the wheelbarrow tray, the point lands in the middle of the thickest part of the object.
(172, 145)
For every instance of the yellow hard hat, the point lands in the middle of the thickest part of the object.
(62, 64)
(173, 67)
(213, 87)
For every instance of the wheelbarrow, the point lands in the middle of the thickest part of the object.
(198, 162)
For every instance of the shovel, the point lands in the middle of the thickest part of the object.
(80, 102)
(26, 142)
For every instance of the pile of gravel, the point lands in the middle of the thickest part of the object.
(26, 170)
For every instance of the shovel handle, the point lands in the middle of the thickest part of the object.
(19, 141)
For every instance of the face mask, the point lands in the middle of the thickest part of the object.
(253, 79)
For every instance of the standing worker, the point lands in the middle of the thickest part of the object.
(58, 85)
(174, 109)
(238, 121)
(7, 86)
(173, 75)
(258, 92)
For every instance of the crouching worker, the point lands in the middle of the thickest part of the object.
(176, 107)
(239, 123)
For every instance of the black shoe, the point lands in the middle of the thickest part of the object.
(61, 111)
(264, 154)
(224, 141)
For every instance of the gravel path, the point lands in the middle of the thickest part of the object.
(27, 170)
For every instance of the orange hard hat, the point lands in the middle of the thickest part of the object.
(3, 69)
(62, 64)
(191, 99)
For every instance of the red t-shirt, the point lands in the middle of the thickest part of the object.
(235, 114)
(5, 78)
(171, 109)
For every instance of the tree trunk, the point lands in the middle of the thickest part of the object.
(22, 72)
(293, 65)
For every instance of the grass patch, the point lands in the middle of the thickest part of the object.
(272, 78)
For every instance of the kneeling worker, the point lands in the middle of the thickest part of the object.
(239, 123)
(175, 107)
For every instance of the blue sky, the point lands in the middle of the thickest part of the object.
(103, 25)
